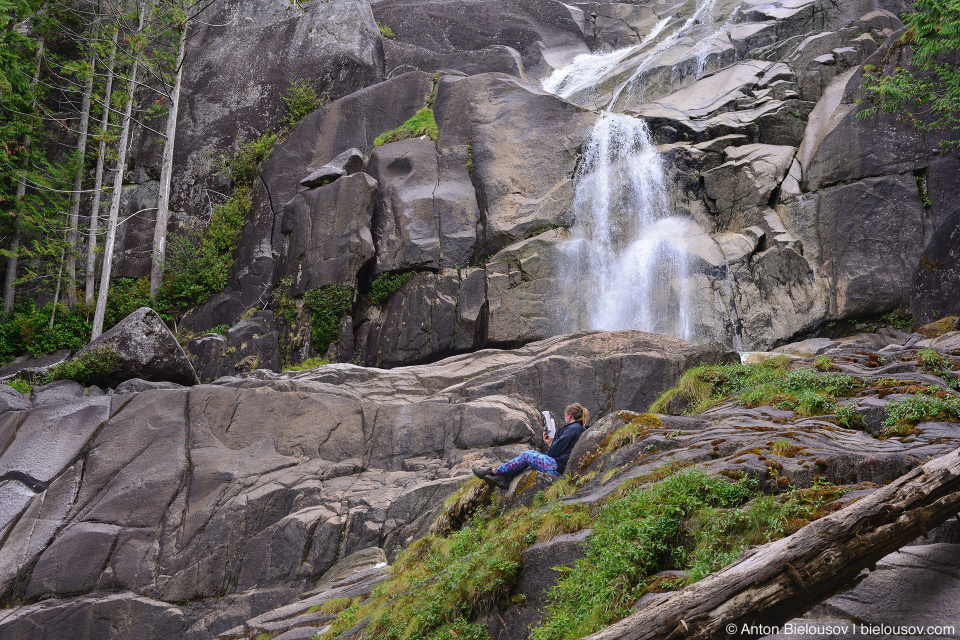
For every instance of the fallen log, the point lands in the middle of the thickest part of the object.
(784, 579)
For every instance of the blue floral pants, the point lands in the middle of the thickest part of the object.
(529, 459)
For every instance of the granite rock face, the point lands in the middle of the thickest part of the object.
(228, 497)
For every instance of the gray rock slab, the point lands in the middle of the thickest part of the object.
(50, 438)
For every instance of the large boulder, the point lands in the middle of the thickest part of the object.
(427, 213)
(251, 344)
(326, 234)
(523, 147)
(144, 348)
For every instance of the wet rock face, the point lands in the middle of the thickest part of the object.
(477, 36)
(936, 279)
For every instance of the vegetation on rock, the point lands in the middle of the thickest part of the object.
(804, 391)
(327, 306)
(301, 99)
(925, 89)
(386, 284)
(421, 124)
(688, 520)
(87, 368)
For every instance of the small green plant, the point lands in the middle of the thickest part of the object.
(421, 124)
(311, 363)
(327, 306)
(848, 417)
(220, 329)
(263, 636)
(301, 99)
(823, 363)
(939, 364)
(386, 284)
(245, 164)
(386, 31)
(90, 367)
(921, 407)
(22, 386)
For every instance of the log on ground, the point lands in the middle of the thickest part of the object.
(784, 579)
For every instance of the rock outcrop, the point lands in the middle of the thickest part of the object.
(233, 498)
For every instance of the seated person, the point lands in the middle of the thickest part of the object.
(554, 462)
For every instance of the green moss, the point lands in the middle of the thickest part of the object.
(421, 124)
(386, 284)
(311, 363)
(386, 31)
(327, 306)
(88, 368)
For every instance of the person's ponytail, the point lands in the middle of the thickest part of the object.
(578, 413)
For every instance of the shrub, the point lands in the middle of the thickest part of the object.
(198, 264)
(327, 306)
(301, 99)
(245, 165)
(421, 124)
(386, 284)
(921, 407)
(88, 368)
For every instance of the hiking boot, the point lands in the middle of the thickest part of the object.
(498, 480)
(487, 474)
(482, 472)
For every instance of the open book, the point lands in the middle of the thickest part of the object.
(548, 424)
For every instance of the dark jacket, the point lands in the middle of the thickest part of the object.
(563, 441)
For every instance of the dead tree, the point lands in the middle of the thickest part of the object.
(784, 579)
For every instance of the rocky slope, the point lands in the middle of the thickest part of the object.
(233, 497)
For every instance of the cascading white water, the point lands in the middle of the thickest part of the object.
(626, 258)
(627, 249)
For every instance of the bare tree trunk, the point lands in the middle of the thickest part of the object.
(98, 180)
(10, 279)
(101, 310)
(74, 233)
(166, 173)
(786, 578)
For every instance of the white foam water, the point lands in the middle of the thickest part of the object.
(627, 248)
(626, 257)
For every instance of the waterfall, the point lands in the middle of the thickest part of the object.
(626, 253)
(626, 262)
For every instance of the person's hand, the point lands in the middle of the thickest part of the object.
(547, 438)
